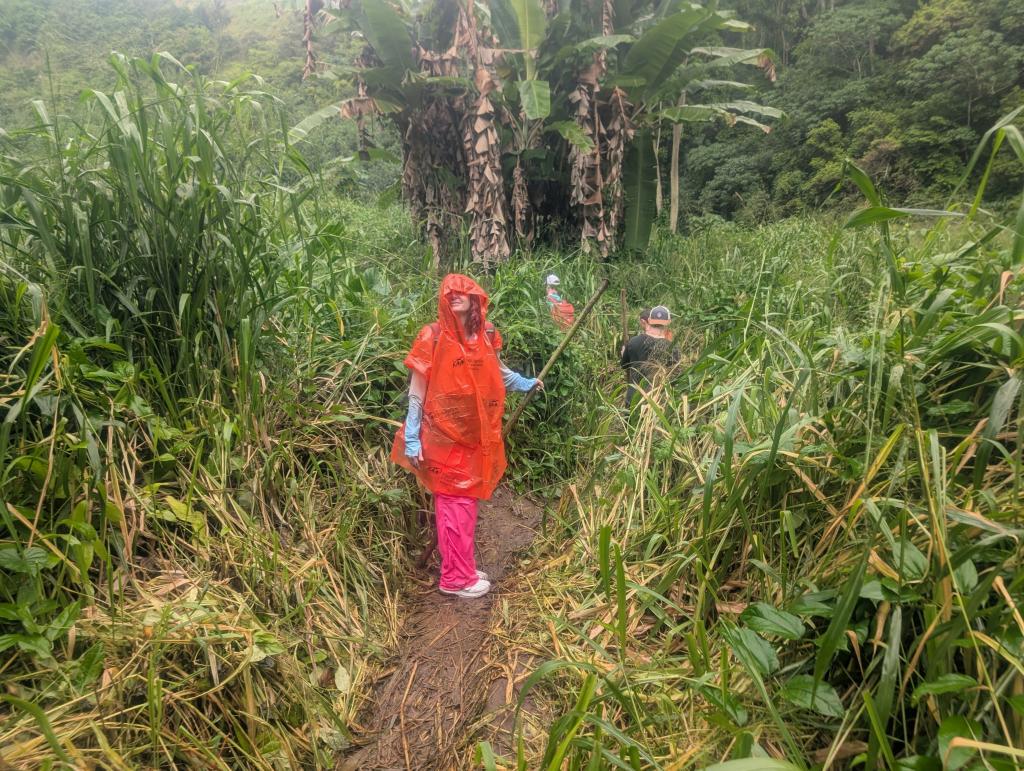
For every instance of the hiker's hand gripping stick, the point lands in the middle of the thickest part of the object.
(554, 357)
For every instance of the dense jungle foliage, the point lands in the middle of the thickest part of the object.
(802, 551)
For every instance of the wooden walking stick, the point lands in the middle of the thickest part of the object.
(554, 357)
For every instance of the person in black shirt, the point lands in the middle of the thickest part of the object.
(649, 352)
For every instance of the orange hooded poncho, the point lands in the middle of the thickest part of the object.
(463, 452)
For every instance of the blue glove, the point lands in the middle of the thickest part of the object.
(413, 421)
(516, 382)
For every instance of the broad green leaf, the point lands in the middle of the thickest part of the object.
(699, 85)
(751, 650)
(765, 619)
(640, 186)
(875, 214)
(691, 113)
(727, 703)
(602, 42)
(89, 666)
(388, 76)
(663, 47)
(26, 561)
(742, 105)
(747, 120)
(815, 604)
(724, 56)
(372, 154)
(909, 562)
(532, 22)
(264, 644)
(36, 644)
(572, 133)
(625, 81)
(505, 24)
(872, 590)
(58, 627)
(966, 575)
(301, 130)
(536, 98)
(951, 682)
(820, 697)
(387, 33)
(950, 728)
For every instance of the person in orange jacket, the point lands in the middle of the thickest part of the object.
(562, 311)
(451, 439)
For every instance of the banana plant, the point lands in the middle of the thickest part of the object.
(513, 109)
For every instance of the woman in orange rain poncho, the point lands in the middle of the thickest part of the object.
(451, 438)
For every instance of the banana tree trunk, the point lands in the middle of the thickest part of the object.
(673, 178)
(673, 172)
(308, 18)
(658, 193)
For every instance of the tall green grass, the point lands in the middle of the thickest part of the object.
(806, 545)
(201, 534)
(200, 527)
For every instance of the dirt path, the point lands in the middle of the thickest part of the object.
(441, 682)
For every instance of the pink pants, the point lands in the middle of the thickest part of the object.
(456, 524)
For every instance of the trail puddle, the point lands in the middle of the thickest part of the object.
(426, 705)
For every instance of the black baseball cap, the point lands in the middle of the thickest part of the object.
(660, 316)
(645, 314)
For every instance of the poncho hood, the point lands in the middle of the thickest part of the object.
(456, 283)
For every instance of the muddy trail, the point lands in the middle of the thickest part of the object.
(441, 682)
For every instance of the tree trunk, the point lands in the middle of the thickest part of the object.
(658, 194)
(673, 178)
(677, 137)
(308, 17)
(673, 171)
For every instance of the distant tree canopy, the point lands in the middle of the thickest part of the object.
(904, 88)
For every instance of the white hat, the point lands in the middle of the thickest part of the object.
(552, 280)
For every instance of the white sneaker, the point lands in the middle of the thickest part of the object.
(482, 575)
(479, 589)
